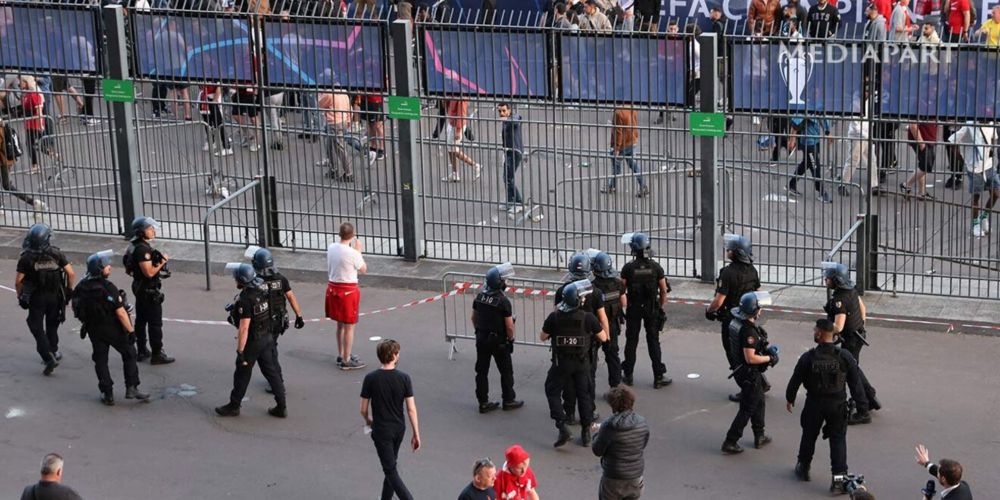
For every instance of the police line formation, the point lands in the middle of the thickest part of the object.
(590, 309)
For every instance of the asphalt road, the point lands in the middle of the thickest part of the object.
(937, 389)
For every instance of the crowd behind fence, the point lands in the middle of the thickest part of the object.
(594, 142)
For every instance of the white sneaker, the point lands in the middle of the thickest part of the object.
(977, 229)
(90, 122)
(478, 170)
(206, 147)
(322, 163)
(40, 206)
(254, 147)
(452, 177)
(372, 156)
(224, 152)
(985, 224)
(516, 209)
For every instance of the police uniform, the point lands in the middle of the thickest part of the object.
(492, 308)
(612, 290)
(747, 335)
(642, 277)
(847, 301)
(592, 303)
(736, 279)
(96, 302)
(43, 294)
(277, 287)
(825, 371)
(572, 335)
(148, 297)
(252, 303)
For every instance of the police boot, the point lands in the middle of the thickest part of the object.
(761, 440)
(141, 354)
(859, 418)
(278, 411)
(488, 406)
(585, 435)
(132, 392)
(160, 358)
(512, 405)
(874, 403)
(627, 380)
(731, 447)
(564, 435)
(50, 365)
(229, 410)
(661, 381)
(802, 471)
(108, 398)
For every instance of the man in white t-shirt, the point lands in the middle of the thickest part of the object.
(343, 297)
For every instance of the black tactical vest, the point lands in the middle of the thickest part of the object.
(827, 372)
(571, 338)
(742, 279)
(610, 288)
(91, 304)
(642, 285)
(851, 303)
(491, 320)
(277, 303)
(49, 276)
(260, 321)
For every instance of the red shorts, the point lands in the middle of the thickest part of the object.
(342, 302)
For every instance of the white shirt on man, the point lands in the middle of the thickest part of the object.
(343, 263)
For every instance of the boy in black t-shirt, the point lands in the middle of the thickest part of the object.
(386, 390)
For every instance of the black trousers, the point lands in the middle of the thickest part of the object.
(810, 161)
(260, 351)
(569, 371)
(956, 164)
(9, 186)
(831, 411)
(637, 315)
(569, 398)
(751, 404)
(102, 341)
(854, 346)
(89, 91)
(44, 313)
(488, 348)
(387, 447)
(611, 354)
(148, 322)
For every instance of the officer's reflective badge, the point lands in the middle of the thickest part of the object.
(148, 256)
(838, 304)
(751, 340)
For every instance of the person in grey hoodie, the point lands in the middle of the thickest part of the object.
(875, 28)
(620, 442)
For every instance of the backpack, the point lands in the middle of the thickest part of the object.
(11, 143)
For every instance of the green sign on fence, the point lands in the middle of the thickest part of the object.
(118, 90)
(404, 108)
(707, 124)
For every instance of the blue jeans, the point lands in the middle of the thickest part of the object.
(512, 161)
(313, 122)
(628, 154)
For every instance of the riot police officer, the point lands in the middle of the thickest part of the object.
(646, 291)
(571, 330)
(847, 312)
(44, 278)
(251, 315)
(579, 268)
(147, 267)
(826, 371)
(612, 289)
(735, 279)
(749, 344)
(493, 319)
(279, 297)
(103, 312)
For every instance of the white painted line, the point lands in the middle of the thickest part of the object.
(693, 375)
(376, 338)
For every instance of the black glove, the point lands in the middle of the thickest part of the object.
(240, 360)
(774, 360)
(299, 322)
(621, 317)
(83, 332)
(711, 315)
(23, 302)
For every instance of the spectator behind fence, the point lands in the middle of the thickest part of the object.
(948, 473)
(875, 27)
(975, 144)
(923, 136)
(857, 136)
(33, 104)
(991, 28)
(457, 112)
(620, 442)
(561, 20)
(823, 20)
(50, 486)
(513, 146)
(343, 297)
(7, 162)
(516, 480)
(764, 16)
(337, 112)
(959, 20)
(593, 19)
(624, 138)
(796, 8)
(812, 131)
(648, 12)
(484, 475)
(900, 26)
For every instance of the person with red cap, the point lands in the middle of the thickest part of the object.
(516, 480)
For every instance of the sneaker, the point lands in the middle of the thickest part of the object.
(57, 355)
(792, 192)
(925, 197)
(515, 209)
(224, 152)
(380, 155)
(877, 191)
(644, 192)
(452, 177)
(953, 182)
(842, 190)
(322, 163)
(90, 122)
(352, 364)
(903, 189)
(824, 197)
(206, 147)
(254, 147)
(40, 206)
(488, 406)
(609, 190)
(984, 222)
(477, 171)
(347, 178)
(340, 361)
(977, 229)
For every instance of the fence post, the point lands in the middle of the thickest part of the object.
(123, 119)
(409, 175)
(709, 159)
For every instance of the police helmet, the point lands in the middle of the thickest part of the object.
(37, 237)
(603, 266)
(242, 272)
(263, 262)
(838, 274)
(750, 304)
(97, 262)
(141, 224)
(573, 295)
(496, 277)
(639, 243)
(740, 246)
(579, 266)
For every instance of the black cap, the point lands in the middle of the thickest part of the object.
(824, 325)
